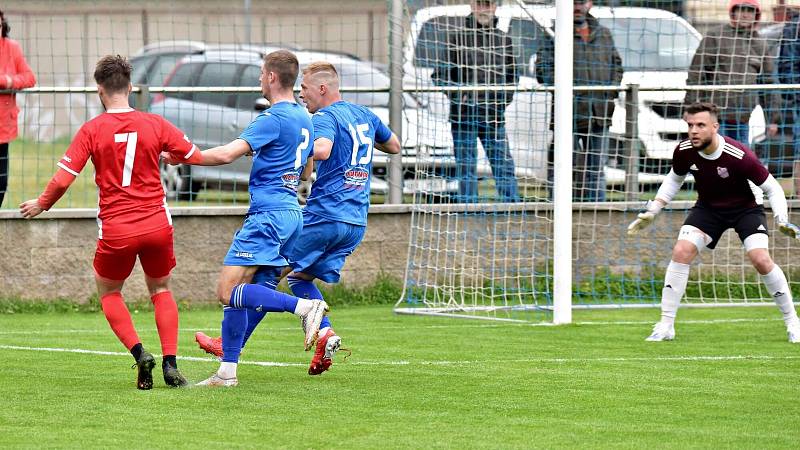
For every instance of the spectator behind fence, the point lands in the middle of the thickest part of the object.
(735, 54)
(595, 62)
(14, 74)
(789, 73)
(479, 54)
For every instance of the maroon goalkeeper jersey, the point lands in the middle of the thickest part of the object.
(721, 179)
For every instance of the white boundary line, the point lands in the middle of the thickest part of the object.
(104, 353)
(415, 327)
(699, 358)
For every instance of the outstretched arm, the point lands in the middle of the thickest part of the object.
(55, 189)
(216, 156)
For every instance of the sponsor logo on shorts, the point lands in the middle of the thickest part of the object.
(247, 255)
(356, 177)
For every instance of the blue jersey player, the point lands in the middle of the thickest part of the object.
(280, 141)
(335, 217)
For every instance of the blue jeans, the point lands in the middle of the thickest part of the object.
(796, 132)
(487, 124)
(589, 160)
(589, 156)
(739, 131)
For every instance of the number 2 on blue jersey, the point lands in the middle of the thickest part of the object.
(360, 140)
(303, 145)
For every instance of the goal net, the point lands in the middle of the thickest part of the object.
(483, 242)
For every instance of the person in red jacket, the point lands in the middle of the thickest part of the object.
(14, 74)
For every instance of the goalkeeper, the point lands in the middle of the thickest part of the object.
(726, 174)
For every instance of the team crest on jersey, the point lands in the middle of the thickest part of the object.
(722, 172)
(290, 180)
(356, 177)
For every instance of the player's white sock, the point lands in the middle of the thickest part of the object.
(303, 306)
(674, 286)
(778, 288)
(227, 370)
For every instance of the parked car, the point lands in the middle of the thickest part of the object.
(212, 119)
(155, 61)
(656, 47)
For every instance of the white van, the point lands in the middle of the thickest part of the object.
(656, 47)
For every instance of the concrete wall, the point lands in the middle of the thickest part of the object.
(51, 257)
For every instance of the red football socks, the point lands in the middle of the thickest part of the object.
(120, 319)
(167, 321)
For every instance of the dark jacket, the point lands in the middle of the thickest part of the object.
(595, 63)
(789, 59)
(728, 55)
(478, 56)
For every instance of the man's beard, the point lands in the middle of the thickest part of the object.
(703, 145)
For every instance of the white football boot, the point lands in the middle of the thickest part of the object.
(217, 381)
(662, 332)
(311, 320)
(793, 331)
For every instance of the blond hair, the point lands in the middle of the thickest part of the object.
(323, 73)
(320, 67)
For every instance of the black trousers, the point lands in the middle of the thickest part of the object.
(3, 171)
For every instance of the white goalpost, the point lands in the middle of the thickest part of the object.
(553, 251)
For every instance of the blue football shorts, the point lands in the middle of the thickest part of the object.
(265, 239)
(323, 247)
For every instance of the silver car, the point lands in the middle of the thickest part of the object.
(213, 119)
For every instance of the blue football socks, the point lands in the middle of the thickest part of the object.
(254, 317)
(234, 322)
(304, 289)
(262, 298)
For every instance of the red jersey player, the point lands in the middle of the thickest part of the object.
(730, 181)
(125, 146)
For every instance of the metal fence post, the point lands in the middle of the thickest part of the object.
(632, 143)
(143, 98)
(396, 97)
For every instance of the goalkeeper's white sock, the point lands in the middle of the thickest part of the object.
(674, 286)
(778, 288)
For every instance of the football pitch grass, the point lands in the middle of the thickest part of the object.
(729, 380)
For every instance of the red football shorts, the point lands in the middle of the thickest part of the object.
(114, 258)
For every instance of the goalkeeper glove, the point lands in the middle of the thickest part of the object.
(644, 219)
(789, 229)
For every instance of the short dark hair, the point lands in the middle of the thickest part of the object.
(699, 107)
(113, 72)
(284, 63)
